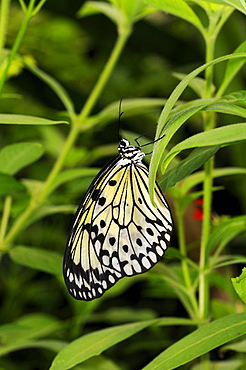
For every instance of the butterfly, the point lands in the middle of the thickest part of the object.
(116, 230)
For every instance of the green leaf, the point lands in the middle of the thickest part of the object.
(17, 119)
(237, 97)
(171, 321)
(132, 107)
(232, 68)
(72, 174)
(9, 185)
(239, 284)
(183, 84)
(52, 345)
(220, 308)
(123, 13)
(162, 125)
(198, 177)
(229, 259)
(178, 8)
(97, 7)
(225, 231)
(198, 84)
(237, 347)
(237, 4)
(44, 211)
(10, 96)
(134, 9)
(120, 315)
(172, 126)
(220, 365)
(98, 363)
(95, 343)
(184, 201)
(225, 135)
(38, 259)
(185, 167)
(53, 139)
(227, 108)
(17, 156)
(29, 326)
(201, 341)
(54, 85)
(16, 334)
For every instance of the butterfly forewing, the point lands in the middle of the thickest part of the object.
(117, 231)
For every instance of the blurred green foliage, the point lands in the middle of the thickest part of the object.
(38, 317)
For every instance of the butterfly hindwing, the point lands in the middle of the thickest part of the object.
(117, 231)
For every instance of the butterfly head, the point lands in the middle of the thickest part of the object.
(130, 152)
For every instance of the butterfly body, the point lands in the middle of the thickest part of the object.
(116, 231)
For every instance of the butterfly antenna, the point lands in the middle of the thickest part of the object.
(139, 137)
(120, 114)
(152, 142)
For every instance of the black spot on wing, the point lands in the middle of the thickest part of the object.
(139, 242)
(100, 238)
(125, 248)
(95, 194)
(102, 201)
(150, 231)
(112, 241)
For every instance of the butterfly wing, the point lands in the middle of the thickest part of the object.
(117, 231)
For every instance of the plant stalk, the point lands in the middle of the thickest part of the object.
(3, 24)
(209, 123)
(5, 218)
(185, 268)
(72, 137)
(98, 88)
(19, 37)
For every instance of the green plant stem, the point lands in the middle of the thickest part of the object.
(98, 88)
(76, 124)
(23, 5)
(209, 122)
(38, 7)
(18, 225)
(55, 86)
(203, 281)
(185, 268)
(5, 218)
(19, 37)
(3, 24)
(72, 137)
(36, 202)
(210, 44)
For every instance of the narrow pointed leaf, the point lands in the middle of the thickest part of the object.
(156, 156)
(14, 157)
(95, 343)
(178, 8)
(9, 185)
(225, 231)
(198, 177)
(225, 135)
(185, 167)
(199, 342)
(15, 119)
(38, 259)
(239, 284)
